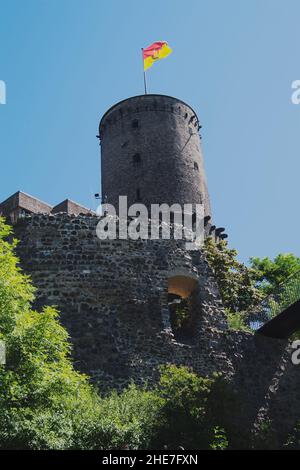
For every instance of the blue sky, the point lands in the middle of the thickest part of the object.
(66, 61)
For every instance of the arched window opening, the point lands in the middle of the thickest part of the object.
(135, 124)
(196, 167)
(181, 306)
(182, 286)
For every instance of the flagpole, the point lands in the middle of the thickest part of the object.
(145, 81)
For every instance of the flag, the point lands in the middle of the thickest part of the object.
(157, 50)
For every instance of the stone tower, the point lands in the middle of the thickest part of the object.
(151, 152)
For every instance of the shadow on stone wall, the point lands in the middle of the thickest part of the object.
(265, 382)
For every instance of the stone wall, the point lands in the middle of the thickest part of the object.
(267, 384)
(113, 299)
(112, 296)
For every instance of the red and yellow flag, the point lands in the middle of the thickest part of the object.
(157, 50)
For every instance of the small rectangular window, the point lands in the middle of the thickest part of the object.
(136, 159)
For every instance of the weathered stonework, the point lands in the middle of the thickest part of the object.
(114, 296)
(151, 152)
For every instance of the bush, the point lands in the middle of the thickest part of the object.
(123, 421)
(186, 418)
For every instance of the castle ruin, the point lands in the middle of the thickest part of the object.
(117, 298)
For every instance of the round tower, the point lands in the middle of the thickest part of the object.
(151, 152)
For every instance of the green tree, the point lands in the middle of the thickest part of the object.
(127, 420)
(236, 281)
(244, 287)
(186, 418)
(178, 411)
(270, 274)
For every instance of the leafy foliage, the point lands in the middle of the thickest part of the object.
(279, 280)
(236, 321)
(269, 274)
(188, 417)
(244, 289)
(180, 314)
(234, 278)
(121, 421)
(220, 441)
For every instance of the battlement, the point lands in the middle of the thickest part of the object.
(145, 103)
(21, 204)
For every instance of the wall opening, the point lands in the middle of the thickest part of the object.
(136, 159)
(181, 304)
(135, 124)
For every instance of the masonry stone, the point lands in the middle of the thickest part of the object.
(116, 297)
(151, 152)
